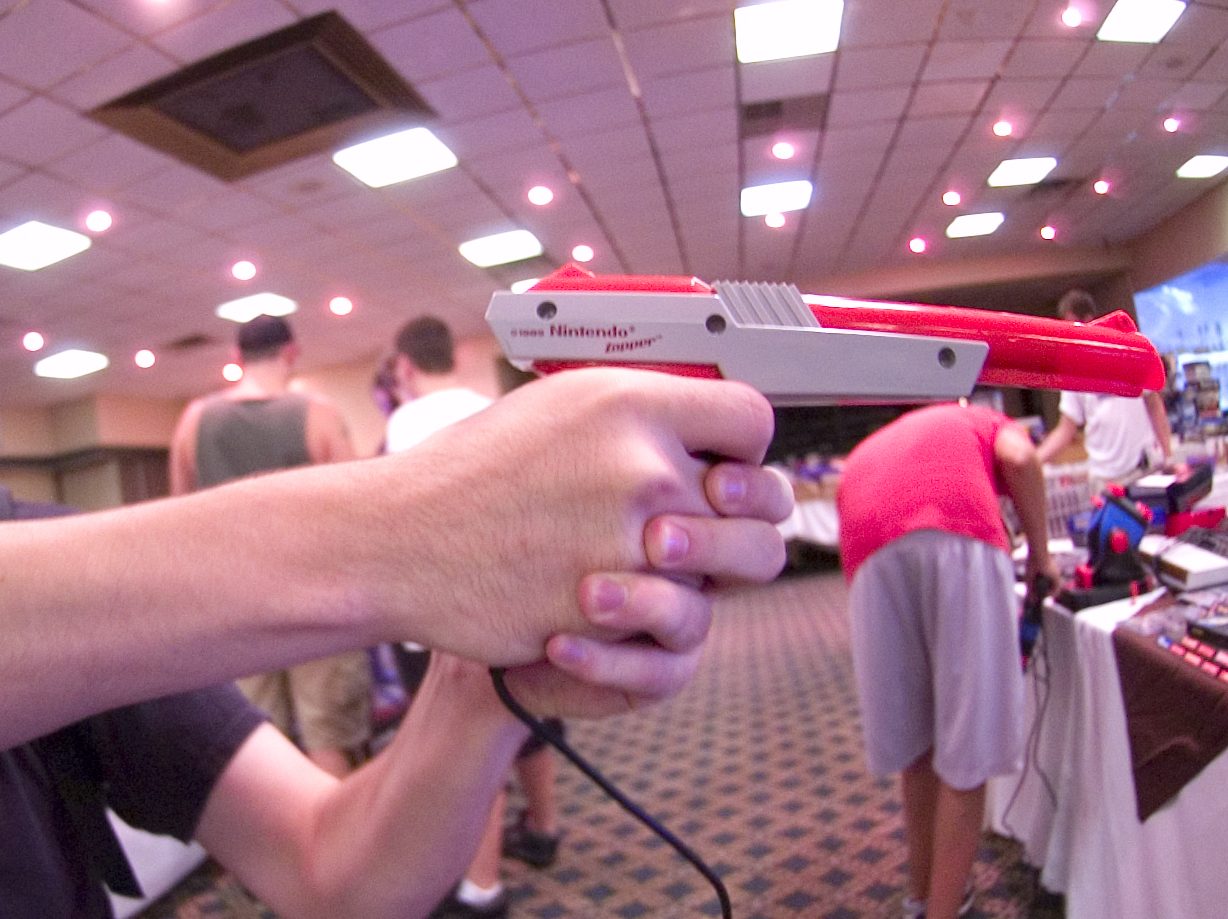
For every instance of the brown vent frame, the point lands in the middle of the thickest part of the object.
(341, 47)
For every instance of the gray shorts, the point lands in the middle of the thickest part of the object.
(935, 636)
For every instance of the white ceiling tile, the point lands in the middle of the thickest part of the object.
(716, 126)
(173, 189)
(635, 14)
(865, 23)
(684, 94)
(431, 46)
(787, 79)
(40, 130)
(492, 134)
(1086, 93)
(469, 94)
(962, 97)
(875, 68)
(1111, 59)
(1196, 97)
(867, 106)
(147, 19)
(370, 15)
(590, 112)
(970, 19)
(939, 134)
(222, 27)
(1148, 95)
(520, 26)
(11, 95)
(965, 60)
(35, 196)
(1043, 58)
(653, 52)
(553, 73)
(110, 163)
(78, 37)
(1018, 100)
(118, 75)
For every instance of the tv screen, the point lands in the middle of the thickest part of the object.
(1186, 318)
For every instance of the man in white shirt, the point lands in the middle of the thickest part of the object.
(1121, 435)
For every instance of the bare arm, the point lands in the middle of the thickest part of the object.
(1057, 440)
(328, 439)
(1019, 465)
(183, 451)
(389, 839)
(589, 471)
(1159, 422)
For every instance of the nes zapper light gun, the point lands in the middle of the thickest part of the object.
(809, 350)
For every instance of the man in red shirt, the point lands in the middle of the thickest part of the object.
(934, 623)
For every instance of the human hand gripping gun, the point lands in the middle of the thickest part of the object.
(800, 349)
(804, 350)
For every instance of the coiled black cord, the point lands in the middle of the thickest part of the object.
(544, 733)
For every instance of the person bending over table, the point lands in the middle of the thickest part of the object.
(594, 481)
(934, 624)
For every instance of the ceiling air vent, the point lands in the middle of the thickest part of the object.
(800, 113)
(306, 89)
(189, 342)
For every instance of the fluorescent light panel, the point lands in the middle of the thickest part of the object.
(1140, 20)
(974, 225)
(787, 28)
(1202, 166)
(501, 248)
(1022, 171)
(777, 198)
(70, 364)
(35, 245)
(396, 157)
(245, 309)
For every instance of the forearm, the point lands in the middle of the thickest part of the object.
(389, 840)
(1159, 422)
(103, 609)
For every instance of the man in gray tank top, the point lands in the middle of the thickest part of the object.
(259, 425)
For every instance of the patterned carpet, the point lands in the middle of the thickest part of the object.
(757, 766)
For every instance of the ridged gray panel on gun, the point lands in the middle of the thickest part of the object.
(763, 303)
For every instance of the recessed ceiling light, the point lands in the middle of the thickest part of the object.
(1048, 232)
(341, 306)
(396, 157)
(582, 253)
(1140, 20)
(974, 225)
(70, 364)
(1003, 128)
(1172, 124)
(1202, 166)
(1026, 171)
(787, 28)
(98, 221)
(501, 248)
(951, 198)
(917, 245)
(1072, 17)
(775, 221)
(232, 373)
(540, 195)
(1101, 186)
(245, 309)
(783, 150)
(144, 359)
(243, 270)
(35, 245)
(776, 198)
(33, 341)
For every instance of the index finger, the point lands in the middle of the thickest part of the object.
(723, 418)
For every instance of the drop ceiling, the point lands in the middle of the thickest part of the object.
(631, 110)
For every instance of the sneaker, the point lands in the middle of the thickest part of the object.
(529, 846)
(454, 908)
(915, 909)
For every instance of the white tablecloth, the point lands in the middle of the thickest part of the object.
(1086, 839)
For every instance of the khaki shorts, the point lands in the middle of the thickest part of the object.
(322, 704)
